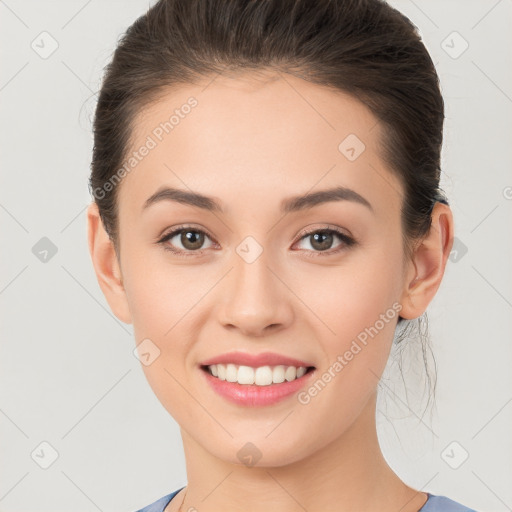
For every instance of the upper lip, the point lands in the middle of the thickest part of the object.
(255, 360)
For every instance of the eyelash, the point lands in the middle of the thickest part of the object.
(346, 240)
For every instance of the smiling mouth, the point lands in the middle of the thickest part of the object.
(260, 376)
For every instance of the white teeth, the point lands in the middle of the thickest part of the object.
(221, 369)
(278, 374)
(231, 373)
(245, 375)
(301, 371)
(290, 373)
(261, 376)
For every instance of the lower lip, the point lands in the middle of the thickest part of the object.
(252, 395)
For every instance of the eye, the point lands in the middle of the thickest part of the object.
(191, 240)
(321, 240)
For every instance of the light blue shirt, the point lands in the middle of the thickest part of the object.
(433, 504)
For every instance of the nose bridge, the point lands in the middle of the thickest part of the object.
(255, 298)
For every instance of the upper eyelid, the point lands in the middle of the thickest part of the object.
(302, 233)
(328, 227)
(179, 229)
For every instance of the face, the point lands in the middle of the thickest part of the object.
(317, 281)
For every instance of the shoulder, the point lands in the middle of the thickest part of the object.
(159, 505)
(443, 504)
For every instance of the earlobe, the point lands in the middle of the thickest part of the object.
(106, 265)
(428, 264)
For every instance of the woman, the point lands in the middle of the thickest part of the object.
(266, 213)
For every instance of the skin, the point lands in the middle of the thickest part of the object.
(251, 142)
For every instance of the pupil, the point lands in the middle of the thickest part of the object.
(194, 239)
(322, 245)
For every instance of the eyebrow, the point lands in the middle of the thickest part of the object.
(292, 204)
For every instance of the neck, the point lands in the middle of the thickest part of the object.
(346, 475)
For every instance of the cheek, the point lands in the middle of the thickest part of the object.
(357, 303)
(165, 305)
(162, 299)
(361, 311)
(159, 293)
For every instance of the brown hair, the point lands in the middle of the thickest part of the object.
(362, 47)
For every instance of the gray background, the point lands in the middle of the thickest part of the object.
(68, 374)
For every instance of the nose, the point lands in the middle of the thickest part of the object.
(255, 299)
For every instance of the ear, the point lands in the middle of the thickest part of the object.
(426, 270)
(106, 265)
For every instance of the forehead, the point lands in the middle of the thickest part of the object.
(265, 136)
